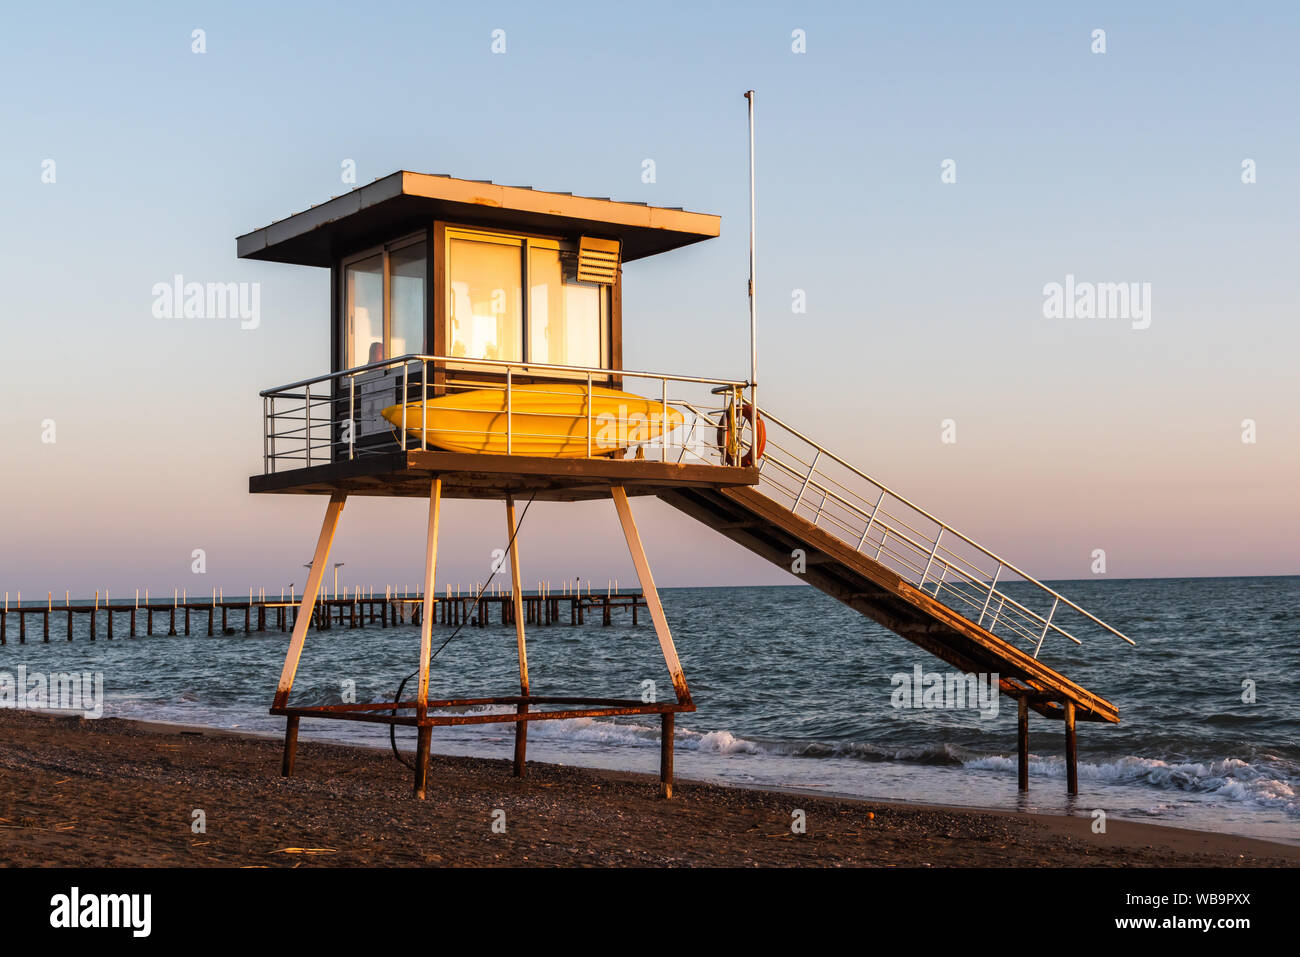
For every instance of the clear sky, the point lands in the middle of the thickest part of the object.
(925, 299)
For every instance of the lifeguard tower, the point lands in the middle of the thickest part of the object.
(477, 352)
(476, 336)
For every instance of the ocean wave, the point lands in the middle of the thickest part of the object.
(1231, 780)
(724, 742)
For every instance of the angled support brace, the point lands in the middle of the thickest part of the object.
(661, 631)
(521, 727)
(333, 512)
(424, 733)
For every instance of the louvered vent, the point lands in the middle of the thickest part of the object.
(597, 260)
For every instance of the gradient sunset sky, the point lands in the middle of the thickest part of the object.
(924, 298)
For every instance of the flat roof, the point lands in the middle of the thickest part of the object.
(316, 236)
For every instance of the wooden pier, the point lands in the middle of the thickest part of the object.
(106, 620)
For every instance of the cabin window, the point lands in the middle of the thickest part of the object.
(384, 294)
(566, 318)
(561, 321)
(484, 306)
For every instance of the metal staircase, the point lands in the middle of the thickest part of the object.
(900, 565)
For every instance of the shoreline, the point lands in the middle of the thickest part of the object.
(313, 734)
(125, 792)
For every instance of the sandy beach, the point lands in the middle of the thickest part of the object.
(124, 794)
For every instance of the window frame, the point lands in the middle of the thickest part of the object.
(500, 238)
(610, 359)
(385, 249)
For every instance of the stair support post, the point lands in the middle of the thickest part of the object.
(1071, 752)
(1022, 743)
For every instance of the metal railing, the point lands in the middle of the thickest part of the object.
(339, 416)
(873, 519)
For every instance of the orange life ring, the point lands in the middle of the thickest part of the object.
(726, 440)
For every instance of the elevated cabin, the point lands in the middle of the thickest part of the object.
(443, 287)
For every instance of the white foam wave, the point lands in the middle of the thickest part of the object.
(1229, 779)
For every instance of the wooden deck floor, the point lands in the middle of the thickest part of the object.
(406, 474)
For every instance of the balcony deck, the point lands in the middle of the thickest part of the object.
(672, 438)
(473, 475)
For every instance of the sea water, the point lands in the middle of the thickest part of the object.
(796, 691)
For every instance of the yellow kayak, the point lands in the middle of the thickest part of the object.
(546, 419)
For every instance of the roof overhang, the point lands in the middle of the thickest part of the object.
(315, 237)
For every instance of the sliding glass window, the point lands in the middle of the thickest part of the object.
(561, 321)
(566, 319)
(484, 304)
(384, 294)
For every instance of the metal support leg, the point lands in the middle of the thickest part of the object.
(426, 637)
(655, 607)
(1022, 744)
(309, 593)
(290, 746)
(666, 756)
(333, 511)
(422, 740)
(521, 727)
(1071, 752)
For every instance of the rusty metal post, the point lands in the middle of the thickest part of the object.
(666, 756)
(1022, 744)
(1071, 752)
(422, 741)
(290, 745)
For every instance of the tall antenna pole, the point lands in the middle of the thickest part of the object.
(753, 264)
